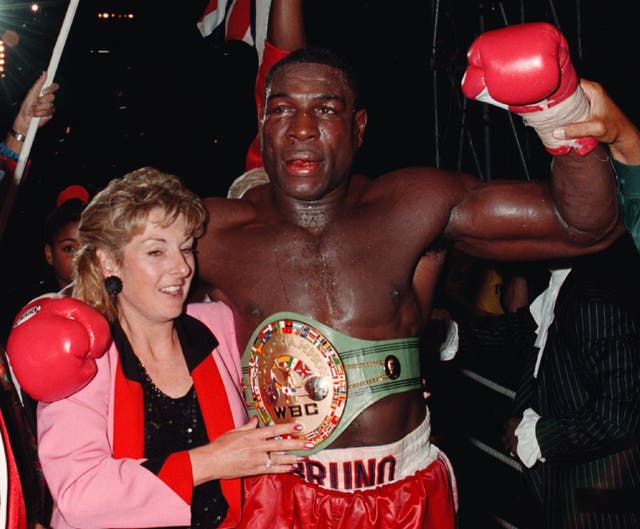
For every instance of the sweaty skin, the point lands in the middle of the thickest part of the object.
(348, 250)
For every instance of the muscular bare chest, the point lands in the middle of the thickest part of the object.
(348, 278)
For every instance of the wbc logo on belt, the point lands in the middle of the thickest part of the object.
(295, 375)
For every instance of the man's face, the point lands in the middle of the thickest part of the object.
(310, 130)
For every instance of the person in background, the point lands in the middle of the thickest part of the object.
(37, 103)
(60, 242)
(573, 357)
(61, 236)
(23, 496)
(285, 33)
(158, 421)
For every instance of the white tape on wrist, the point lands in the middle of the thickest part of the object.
(573, 109)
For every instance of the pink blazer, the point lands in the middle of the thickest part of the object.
(91, 488)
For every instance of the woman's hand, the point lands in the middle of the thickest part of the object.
(248, 451)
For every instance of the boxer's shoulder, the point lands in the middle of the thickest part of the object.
(226, 213)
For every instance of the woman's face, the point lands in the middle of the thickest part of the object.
(156, 271)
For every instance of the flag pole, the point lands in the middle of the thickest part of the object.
(35, 121)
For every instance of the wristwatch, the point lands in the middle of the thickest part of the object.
(17, 135)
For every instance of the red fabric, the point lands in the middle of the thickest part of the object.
(422, 501)
(128, 429)
(74, 191)
(16, 510)
(270, 56)
(9, 166)
(218, 419)
(172, 471)
(238, 20)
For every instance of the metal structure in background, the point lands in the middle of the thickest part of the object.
(489, 14)
(480, 400)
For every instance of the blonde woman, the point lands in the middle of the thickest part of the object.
(157, 437)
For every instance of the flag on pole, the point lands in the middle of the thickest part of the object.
(244, 20)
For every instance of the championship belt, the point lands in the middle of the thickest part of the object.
(298, 370)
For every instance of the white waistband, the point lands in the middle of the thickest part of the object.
(366, 467)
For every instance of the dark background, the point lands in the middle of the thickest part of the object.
(165, 96)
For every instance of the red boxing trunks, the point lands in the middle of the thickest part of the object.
(422, 501)
(408, 484)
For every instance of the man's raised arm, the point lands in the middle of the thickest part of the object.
(527, 69)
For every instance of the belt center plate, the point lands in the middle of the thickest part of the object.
(295, 375)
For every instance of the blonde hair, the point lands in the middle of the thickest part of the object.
(118, 213)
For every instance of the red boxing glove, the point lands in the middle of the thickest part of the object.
(527, 69)
(53, 345)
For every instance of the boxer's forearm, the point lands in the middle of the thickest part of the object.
(584, 192)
